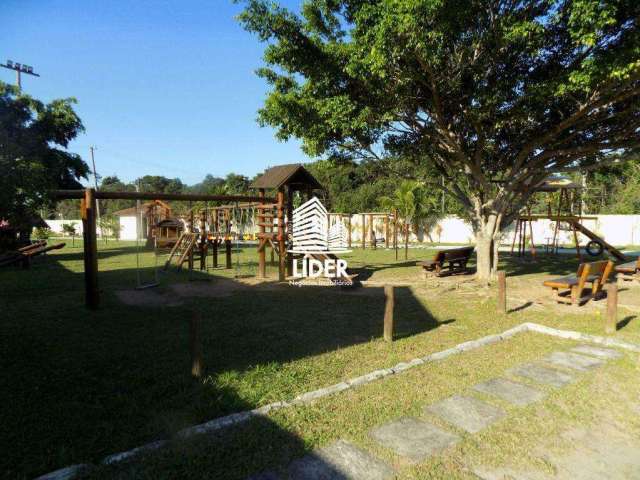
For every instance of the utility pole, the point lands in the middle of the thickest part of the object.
(19, 68)
(92, 148)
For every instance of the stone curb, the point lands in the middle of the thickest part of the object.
(220, 423)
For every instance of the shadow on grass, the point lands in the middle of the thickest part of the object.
(625, 321)
(78, 385)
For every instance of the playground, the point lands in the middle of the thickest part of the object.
(115, 378)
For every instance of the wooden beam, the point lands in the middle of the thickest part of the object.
(195, 197)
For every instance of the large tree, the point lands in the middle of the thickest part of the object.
(493, 95)
(33, 155)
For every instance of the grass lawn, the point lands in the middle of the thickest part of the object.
(79, 385)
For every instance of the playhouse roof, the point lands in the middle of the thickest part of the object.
(292, 174)
(131, 212)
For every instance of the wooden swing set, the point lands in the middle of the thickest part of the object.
(273, 214)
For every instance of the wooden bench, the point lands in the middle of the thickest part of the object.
(629, 271)
(569, 289)
(453, 260)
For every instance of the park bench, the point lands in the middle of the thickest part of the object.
(629, 271)
(453, 260)
(569, 289)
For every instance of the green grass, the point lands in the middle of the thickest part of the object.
(79, 385)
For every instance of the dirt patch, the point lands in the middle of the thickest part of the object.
(147, 298)
(216, 288)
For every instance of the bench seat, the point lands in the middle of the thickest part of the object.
(568, 281)
(630, 267)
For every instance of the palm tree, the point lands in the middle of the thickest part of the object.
(414, 206)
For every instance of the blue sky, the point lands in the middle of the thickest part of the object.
(163, 87)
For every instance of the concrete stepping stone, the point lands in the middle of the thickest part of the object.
(510, 391)
(413, 438)
(574, 361)
(606, 353)
(467, 413)
(339, 461)
(544, 375)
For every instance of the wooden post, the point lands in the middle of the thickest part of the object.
(289, 228)
(364, 231)
(388, 312)
(262, 269)
(203, 240)
(502, 292)
(227, 248)
(395, 231)
(611, 324)
(88, 208)
(372, 231)
(386, 231)
(282, 267)
(216, 242)
(349, 231)
(195, 346)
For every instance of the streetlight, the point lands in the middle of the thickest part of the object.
(19, 69)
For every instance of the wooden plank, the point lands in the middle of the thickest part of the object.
(282, 267)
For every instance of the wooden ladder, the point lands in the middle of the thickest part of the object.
(182, 249)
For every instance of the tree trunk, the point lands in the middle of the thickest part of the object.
(406, 242)
(488, 236)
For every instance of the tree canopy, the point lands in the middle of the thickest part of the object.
(494, 95)
(33, 155)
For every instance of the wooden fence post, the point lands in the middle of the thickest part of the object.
(502, 292)
(611, 324)
(389, 301)
(194, 345)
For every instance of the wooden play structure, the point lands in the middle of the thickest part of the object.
(564, 218)
(629, 271)
(25, 254)
(273, 216)
(368, 220)
(570, 289)
(447, 262)
(166, 233)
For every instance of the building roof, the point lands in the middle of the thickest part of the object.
(293, 174)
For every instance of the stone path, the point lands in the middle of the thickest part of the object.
(416, 440)
(513, 392)
(413, 438)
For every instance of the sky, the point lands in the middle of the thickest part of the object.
(163, 87)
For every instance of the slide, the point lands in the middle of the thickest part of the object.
(610, 248)
(347, 280)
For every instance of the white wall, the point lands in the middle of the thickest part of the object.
(56, 225)
(128, 228)
(618, 230)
